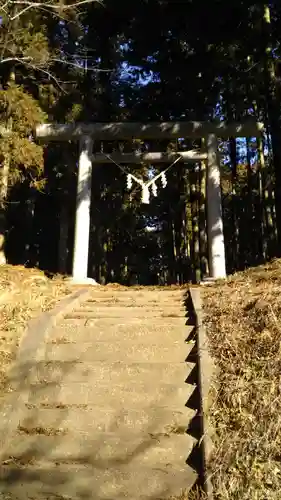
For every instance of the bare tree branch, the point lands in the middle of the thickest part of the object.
(26, 61)
(51, 5)
(20, 12)
(48, 73)
(5, 4)
(16, 49)
(15, 59)
(29, 4)
(78, 66)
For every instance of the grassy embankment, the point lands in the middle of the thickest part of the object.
(243, 321)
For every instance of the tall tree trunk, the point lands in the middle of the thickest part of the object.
(261, 174)
(250, 246)
(274, 115)
(63, 239)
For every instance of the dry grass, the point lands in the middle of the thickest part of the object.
(196, 495)
(24, 293)
(243, 319)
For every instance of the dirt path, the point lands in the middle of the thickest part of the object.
(24, 294)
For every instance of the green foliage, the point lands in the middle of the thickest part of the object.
(21, 110)
(74, 113)
(35, 47)
(19, 115)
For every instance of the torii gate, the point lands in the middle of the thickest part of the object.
(87, 133)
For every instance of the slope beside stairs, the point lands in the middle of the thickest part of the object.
(106, 411)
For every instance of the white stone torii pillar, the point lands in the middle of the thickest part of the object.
(83, 214)
(216, 245)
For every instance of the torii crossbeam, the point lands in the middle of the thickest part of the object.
(150, 130)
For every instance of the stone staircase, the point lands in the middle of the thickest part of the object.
(106, 411)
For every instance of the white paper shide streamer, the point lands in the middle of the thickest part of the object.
(151, 183)
(145, 186)
(163, 179)
(154, 189)
(129, 182)
(145, 194)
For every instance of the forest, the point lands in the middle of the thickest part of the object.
(70, 61)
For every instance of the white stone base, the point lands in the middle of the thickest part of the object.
(81, 281)
(210, 281)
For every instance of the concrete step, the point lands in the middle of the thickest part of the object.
(105, 420)
(144, 293)
(136, 300)
(138, 393)
(132, 309)
(101, 450)
(137, 332)
(110, 373)
(83, 481)
(134, 304)
(105, 323)
(123, 312)
(105, 415)
(125, 351)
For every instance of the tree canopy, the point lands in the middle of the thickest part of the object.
(68, 61)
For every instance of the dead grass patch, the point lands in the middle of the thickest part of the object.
(59, 406)
(25, 293)
(61, 340)
(194, 495)
(42, 431)
(243, 321)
